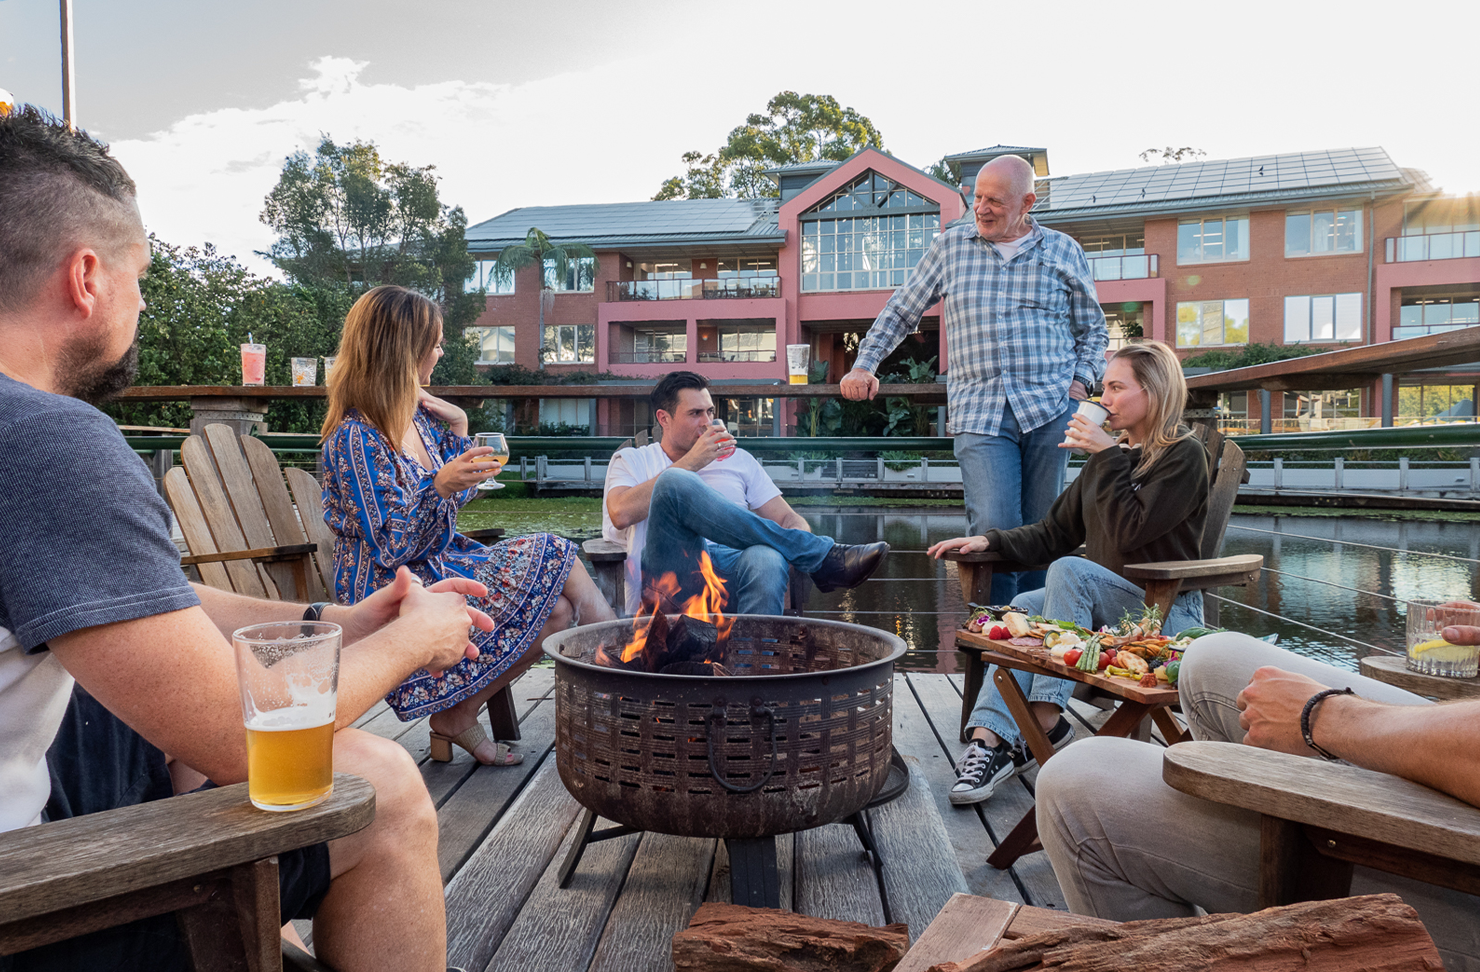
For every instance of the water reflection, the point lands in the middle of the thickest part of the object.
(1322, 570)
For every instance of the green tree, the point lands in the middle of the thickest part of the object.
(1172, 154)
(793, 128)
(347, 219)
(201, 306)
(537, 250)
(1252, 354)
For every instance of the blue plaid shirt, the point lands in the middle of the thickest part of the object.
(1019, 331)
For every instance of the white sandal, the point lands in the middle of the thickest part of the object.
(469, 739)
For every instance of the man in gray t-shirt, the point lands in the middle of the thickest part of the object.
(90, 584)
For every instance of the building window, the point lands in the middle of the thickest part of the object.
(747, 267)
(748, 417)
(868, 236)
(1233, 411)
(1418, 316)
(571, 413)
(665, 270)
(580, 275)
(495, 344)
(1435, 404)
(1213, 240)
(570, 343)
(1322, 232)
(1125, 323)
(1322, 410)
(1442, 215)
(738, 342)
(485, 278)
(1327, 317)
(1204, 323)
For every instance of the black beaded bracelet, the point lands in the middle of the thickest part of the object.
(315, 611)
(1309, 711)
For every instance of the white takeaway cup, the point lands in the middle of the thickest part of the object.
(1094, 411)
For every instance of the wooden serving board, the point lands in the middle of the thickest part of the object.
(1041, 658)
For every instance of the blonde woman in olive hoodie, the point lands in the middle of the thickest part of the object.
(1141, 497)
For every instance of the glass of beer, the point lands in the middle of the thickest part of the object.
(500, 455)
(1428, 652)
(288, 673)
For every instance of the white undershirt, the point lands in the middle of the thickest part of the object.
(1009, 248)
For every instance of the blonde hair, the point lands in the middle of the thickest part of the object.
(1159, 374)
(387, 334)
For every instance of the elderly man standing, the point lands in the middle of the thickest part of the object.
(1027, 340)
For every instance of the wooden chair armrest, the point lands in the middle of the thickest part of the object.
(603, 551)
(1195, 569)
(1334, 796)
(265, 555)
(486, 533)
(85, 859)
(1394, 670)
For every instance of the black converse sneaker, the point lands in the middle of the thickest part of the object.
(1061, 735)
(980, 770)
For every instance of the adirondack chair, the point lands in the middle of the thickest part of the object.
(1162, 581)
(250, 533)
(1318, 819)
(209, 857)
(609, 561)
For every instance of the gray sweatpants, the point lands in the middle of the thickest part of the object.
(1125, 846)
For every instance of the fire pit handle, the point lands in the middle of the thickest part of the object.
(716, 726)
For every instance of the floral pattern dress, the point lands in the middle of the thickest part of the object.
(385, 512)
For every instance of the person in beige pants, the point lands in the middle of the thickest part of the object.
(1125, 845)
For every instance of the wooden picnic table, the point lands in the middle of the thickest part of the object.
(1136, 703)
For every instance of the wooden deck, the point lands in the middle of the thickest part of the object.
(504, 832)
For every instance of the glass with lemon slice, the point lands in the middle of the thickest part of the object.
(1428, 652)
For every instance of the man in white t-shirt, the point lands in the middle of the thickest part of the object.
(696, 492)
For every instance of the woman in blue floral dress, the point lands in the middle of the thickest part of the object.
(398, 464)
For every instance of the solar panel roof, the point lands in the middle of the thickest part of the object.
(1295, 174)
(691, 219)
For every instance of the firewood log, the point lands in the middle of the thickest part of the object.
(734, 938)
(1375, 933)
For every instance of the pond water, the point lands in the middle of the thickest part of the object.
(1332, 589)
(1322, 592)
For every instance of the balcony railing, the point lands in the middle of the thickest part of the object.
(726, 356)
(1435, 246)
(648, 357)
(725, 287)
(1136, 267)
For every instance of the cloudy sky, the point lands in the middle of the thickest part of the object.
(572, 101)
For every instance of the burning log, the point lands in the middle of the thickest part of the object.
(689, 645)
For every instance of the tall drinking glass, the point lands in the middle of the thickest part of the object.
(288, 673)
(1428, 652)
(500, 446)
(254, 364)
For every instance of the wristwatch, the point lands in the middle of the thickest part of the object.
(315, 611)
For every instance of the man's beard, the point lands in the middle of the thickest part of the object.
(90, 380)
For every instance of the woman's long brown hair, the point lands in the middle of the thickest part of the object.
(387, 334)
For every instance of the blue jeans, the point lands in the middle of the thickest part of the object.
(686, 517)
(1091, 596)
(1010, 479)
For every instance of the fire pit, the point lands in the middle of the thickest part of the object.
(797, 736)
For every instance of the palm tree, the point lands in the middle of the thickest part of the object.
(533, 252)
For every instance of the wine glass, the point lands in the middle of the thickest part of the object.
(500, 455)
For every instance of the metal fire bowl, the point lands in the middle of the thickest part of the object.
(799, 737)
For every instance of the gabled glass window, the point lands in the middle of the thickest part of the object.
(868, 236)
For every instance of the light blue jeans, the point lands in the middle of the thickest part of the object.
(687, 517)
(1081, 591)
(1150, 851)
(1012, 478)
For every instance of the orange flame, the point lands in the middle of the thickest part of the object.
(707, 605)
